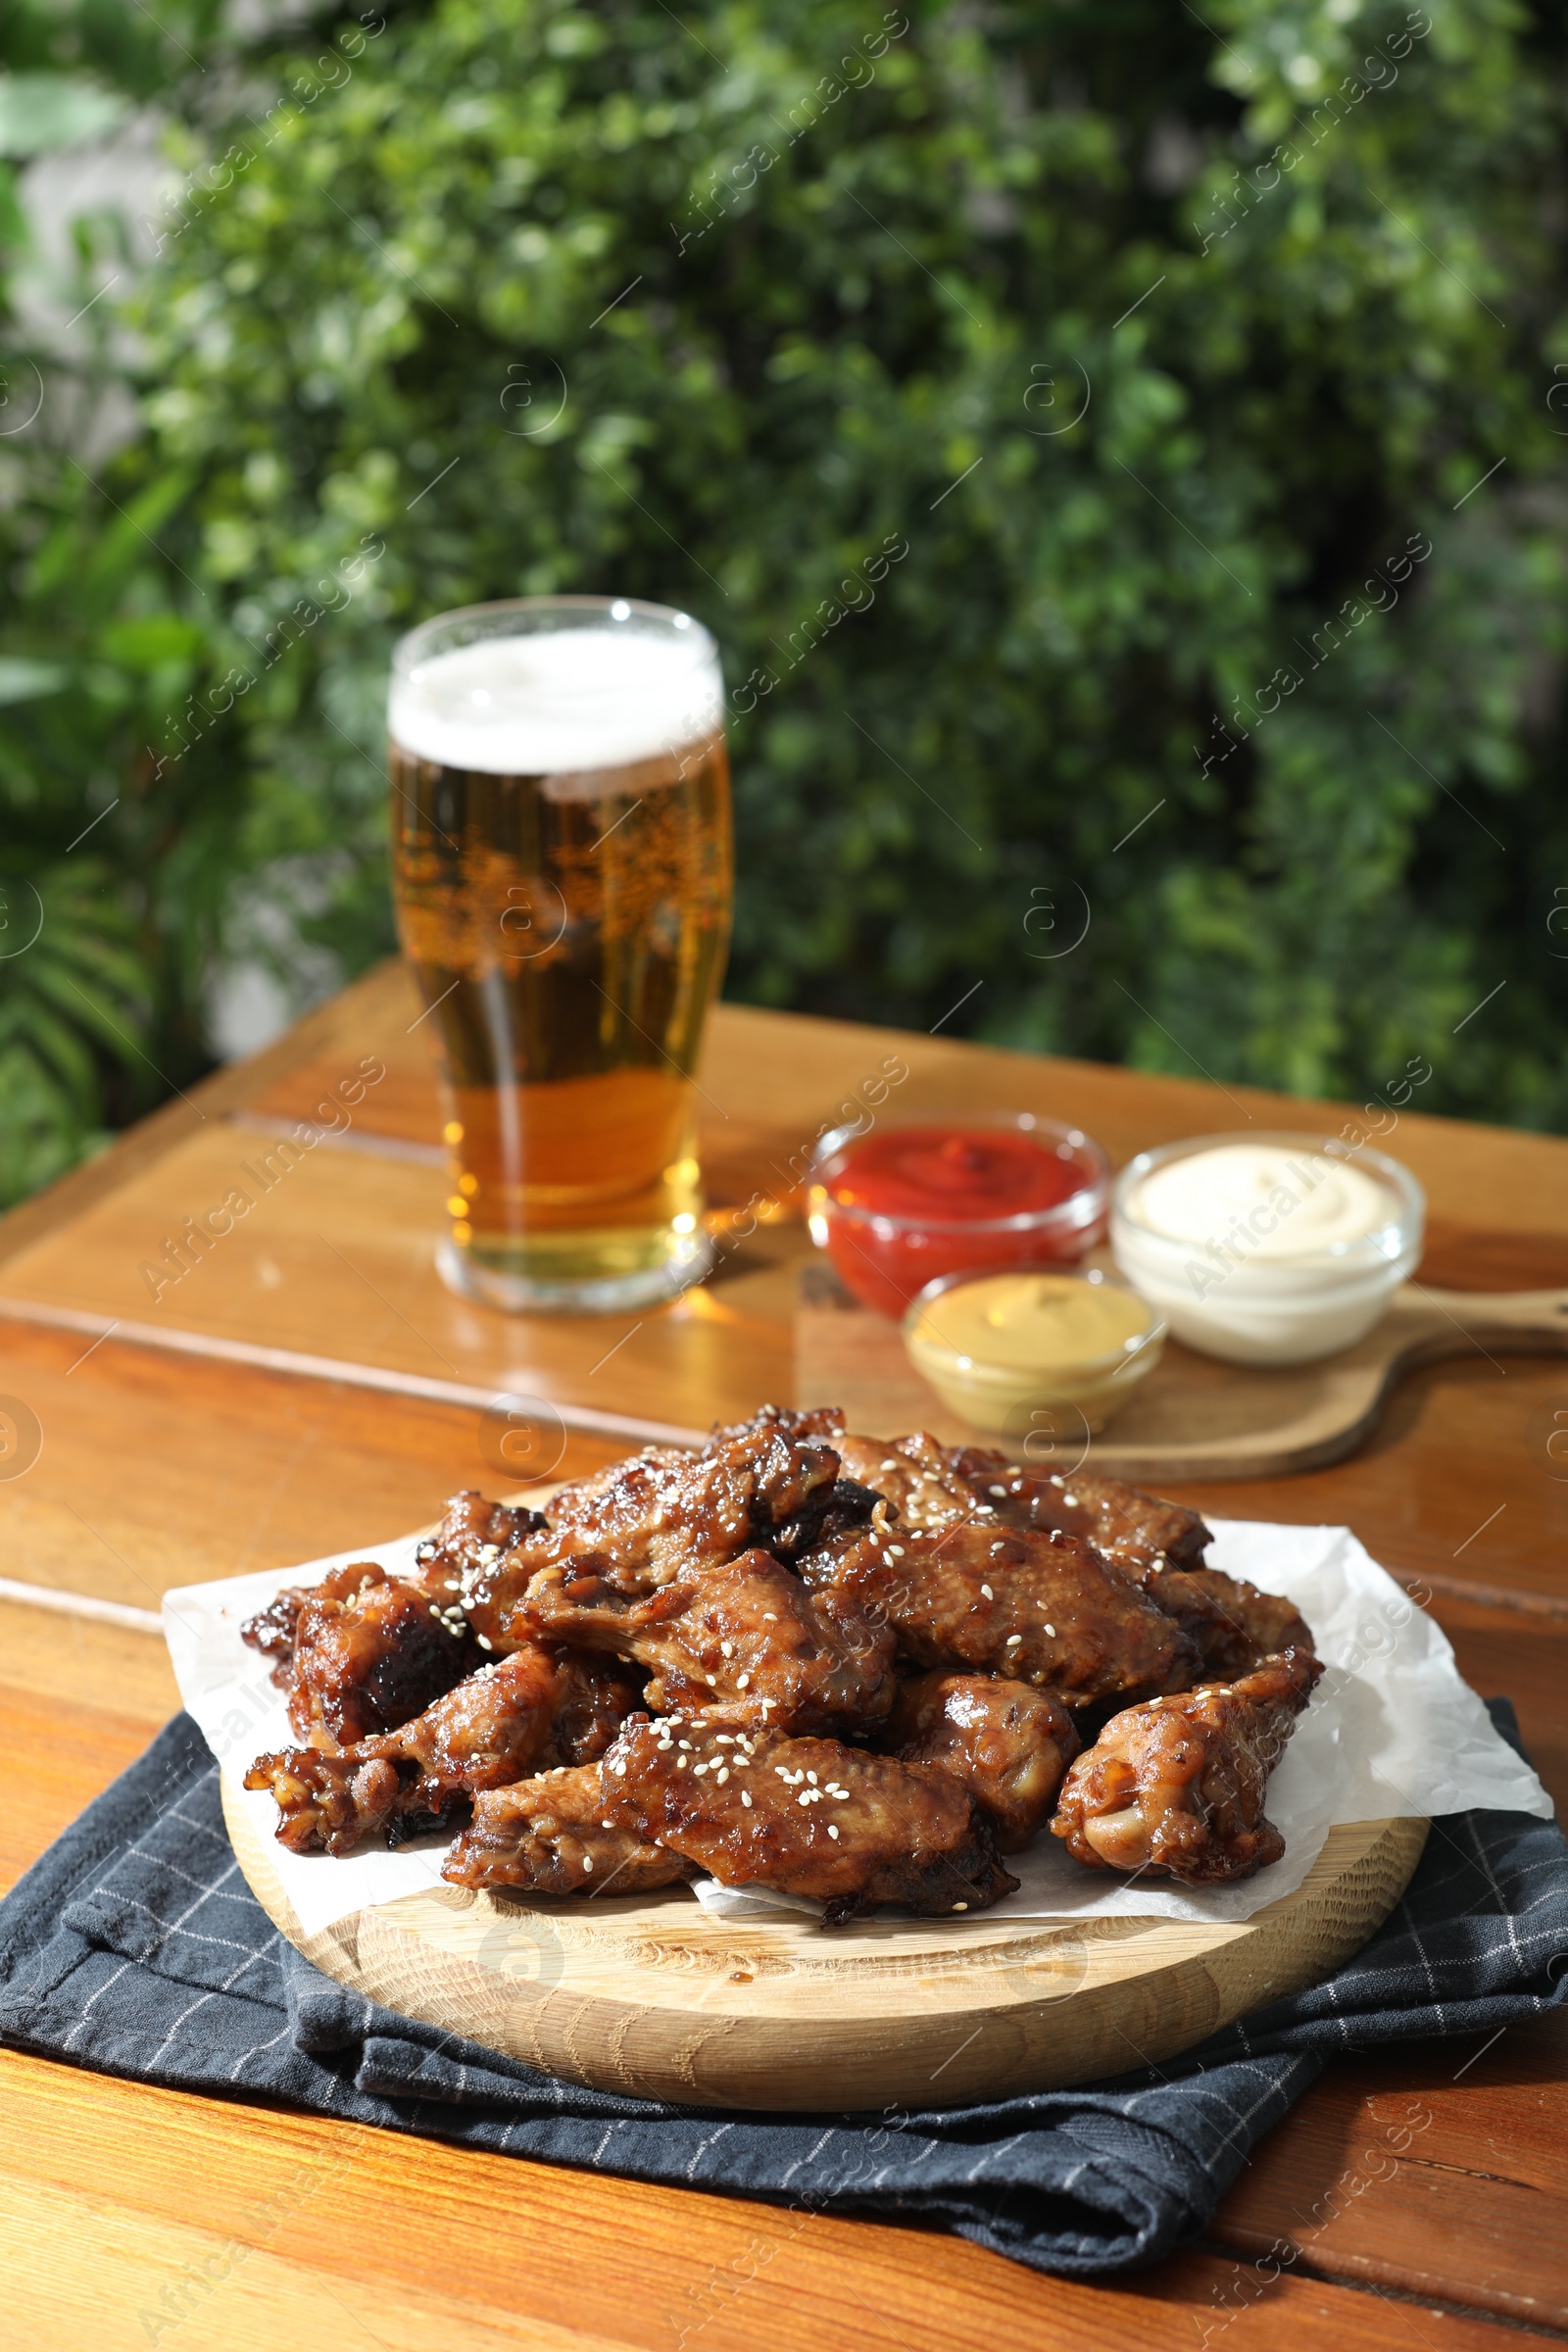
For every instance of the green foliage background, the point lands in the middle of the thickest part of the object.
(496, 297)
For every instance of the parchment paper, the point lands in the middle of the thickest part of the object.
(1392, 1731)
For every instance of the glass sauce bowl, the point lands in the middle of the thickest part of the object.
(1004, 1349)
(903, 1203)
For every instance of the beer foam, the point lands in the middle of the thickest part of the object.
(559, 702)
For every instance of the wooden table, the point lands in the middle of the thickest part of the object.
(308, 1384)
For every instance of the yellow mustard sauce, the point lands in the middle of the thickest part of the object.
(997, 1345)
(1035, 1322)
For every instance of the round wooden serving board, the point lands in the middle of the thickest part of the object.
(653, 1997)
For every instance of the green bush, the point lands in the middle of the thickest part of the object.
(1114, 448)
(113, 879)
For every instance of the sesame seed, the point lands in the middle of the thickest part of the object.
(832, 1829)
(960, 1906)
(743, 1682)
(812, 1777)
(1013, 1641)
(1072, 1499)
(698, 1771)
(995, 1489)
(587, 1864)
(606, 1824)
(681, 1763)
(723, 1774)
(803, 1799)
(686, 1743)
(986, 1590)
(726, 1649)
(768, 1618)
(484, 1641)
(895, 1551)
(1051, 1631)
(745, 1798)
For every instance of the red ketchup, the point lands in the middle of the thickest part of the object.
(899, 1207)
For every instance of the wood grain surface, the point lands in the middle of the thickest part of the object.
(1192, 1416)
(1413, 2196)
(650, 1997)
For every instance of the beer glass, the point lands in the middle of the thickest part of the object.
(563, 875)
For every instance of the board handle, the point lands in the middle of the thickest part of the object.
(1443, 1323)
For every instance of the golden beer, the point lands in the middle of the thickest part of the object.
(563, 873)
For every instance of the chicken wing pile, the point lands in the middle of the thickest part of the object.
(855, 1669)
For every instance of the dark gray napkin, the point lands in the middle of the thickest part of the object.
(135, 1946)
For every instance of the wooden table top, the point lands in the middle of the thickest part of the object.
(310, 1385)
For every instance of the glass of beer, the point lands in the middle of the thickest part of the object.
(563, 874)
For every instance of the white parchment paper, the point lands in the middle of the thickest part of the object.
(1392, 1731)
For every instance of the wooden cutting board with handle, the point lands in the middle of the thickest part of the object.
(1193, 1417)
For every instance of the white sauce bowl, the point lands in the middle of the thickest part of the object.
(1208, 1229)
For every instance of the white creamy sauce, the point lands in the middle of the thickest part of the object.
(1266, 1250)
(560, 701)
(1274, 1203)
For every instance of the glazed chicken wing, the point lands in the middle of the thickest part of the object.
(361, 1652)
(748, 1633)
(1009, 1744)
(1177, 1788)
(550, 1835)
(658, 1516)
(915, 1477)
(1234, 1626)
(1041, 1609)
(824, 1421)
(533, 1708)
(474, 1534)
(1128, 1526)
(751, 1805)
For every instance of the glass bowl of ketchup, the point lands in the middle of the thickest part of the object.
(900, 1205)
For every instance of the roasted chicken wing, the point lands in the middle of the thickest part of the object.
(659, 1515)
(748, 1633)
(1177, 1788)
(815, 1421)
(1233, 1625)
(533, 1708)
(755, 1806)
(1009, 1744)
(474, 1534)
(915, 1477)
(1128, 1526)
(1041, 1609)
(550, 1837)
(361, 1652)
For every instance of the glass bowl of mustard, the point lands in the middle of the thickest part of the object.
(999, 1347)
